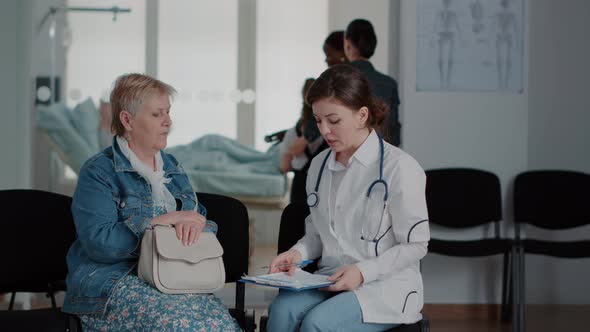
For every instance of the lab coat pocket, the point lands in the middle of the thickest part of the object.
(407, 294)
(411, 302)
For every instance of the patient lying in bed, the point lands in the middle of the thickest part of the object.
(214, 163)
(222, 154)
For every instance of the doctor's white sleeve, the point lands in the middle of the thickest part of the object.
(407, 207)
(310, 245)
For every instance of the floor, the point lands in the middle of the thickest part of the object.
(539, 318)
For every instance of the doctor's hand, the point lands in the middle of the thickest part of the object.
(347, 278)
(285, 262)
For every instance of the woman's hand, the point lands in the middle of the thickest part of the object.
(348, 278)
(285, 262)
(188, 224)
(189, 231)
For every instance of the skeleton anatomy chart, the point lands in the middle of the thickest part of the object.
(470, 45)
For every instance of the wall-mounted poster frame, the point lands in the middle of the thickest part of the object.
(470, 45)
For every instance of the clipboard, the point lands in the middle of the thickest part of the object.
(299, 281)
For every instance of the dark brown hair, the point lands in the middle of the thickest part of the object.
(362, 35)
(306, 111)
(349, 86)
(336, 40)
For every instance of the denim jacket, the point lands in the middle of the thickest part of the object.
(111, 207)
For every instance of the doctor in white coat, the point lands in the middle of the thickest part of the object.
(368, 219)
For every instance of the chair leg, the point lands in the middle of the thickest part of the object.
(507, 287)
(240, 295)
(73, 323)
(11, 304)
(53, 303)
(424, 324)
(515, 285)
(51, 294)
(250, 321)
(522, 291)
(263, 321)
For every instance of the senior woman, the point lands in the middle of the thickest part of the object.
(121, 191)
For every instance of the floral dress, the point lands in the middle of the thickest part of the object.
(137, 306)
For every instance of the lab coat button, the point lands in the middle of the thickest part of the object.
(123, 204)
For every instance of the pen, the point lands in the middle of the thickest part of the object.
(300, 264)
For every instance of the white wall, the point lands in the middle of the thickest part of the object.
(559, 131)
(559, 126)
(478, 130)
(15, 22)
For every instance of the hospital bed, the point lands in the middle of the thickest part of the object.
(73, 136)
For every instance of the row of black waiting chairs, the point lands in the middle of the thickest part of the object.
(38, 229)
(460, 199)
(550, 199)
(456, 198)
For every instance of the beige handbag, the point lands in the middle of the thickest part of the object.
(176, 269)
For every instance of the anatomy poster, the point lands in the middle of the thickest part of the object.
(467, 45)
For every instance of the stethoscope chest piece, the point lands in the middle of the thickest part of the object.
(313, 199)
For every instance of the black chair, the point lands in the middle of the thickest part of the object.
(461, 198)
(292, 226)
(232, 220)
(38, 230)
(551, 200)
(291, 229)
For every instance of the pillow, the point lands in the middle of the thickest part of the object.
(86, 120)
(54, 120)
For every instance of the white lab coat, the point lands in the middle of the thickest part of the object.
(392, 290)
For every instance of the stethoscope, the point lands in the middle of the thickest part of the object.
(313, 199)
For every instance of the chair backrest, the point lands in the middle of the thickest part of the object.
(37, 231)
(552, 199)
(292, 226)
(463, 197)
(232, 220)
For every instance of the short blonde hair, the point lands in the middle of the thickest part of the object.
(129, 93)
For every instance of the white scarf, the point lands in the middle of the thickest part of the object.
(160, 194)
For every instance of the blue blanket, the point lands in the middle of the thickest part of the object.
(221, 154)
(214, 163)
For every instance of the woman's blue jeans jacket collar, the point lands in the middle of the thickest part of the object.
(112, 206)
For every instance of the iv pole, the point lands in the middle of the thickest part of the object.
(53, 10)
